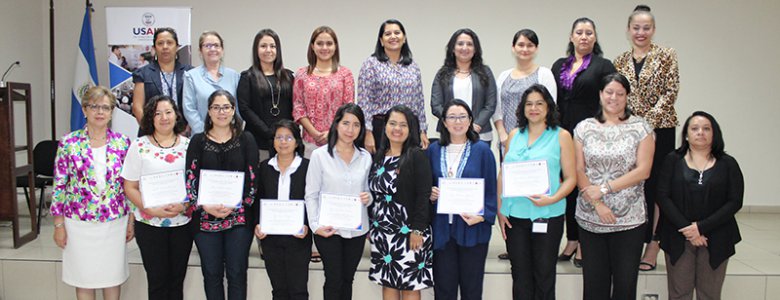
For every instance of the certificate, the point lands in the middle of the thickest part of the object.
(221, 187)
(341, 211)
(461, 195)
(525, 178)
(163, 188)
(281, 217)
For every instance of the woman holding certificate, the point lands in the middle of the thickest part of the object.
(400, 181)
(336, 200)
(283, 178)
(220, 172)
(156, 161)
(700, 189)
(531, 213)
(88, 202)
(614, 156)
(464, 193)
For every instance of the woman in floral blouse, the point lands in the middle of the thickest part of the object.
(390, 77)
(161, 232)
(224, 233)
(321, 88)
(88, 201)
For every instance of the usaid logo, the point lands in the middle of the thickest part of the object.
(147, 19)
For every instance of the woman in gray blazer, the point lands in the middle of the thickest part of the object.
(463, 76)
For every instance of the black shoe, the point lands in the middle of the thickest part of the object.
(565, 257)
(577, 262)
(503, 256)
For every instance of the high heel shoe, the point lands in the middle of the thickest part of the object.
(577, 262)
(565, 257)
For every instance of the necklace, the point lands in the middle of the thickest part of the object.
(318, 70)
(452, 161)
(175, 140)
(462, 72)
(700, 170)
(274, 104)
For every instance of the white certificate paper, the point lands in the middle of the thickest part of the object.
(221, 187)
(525, 178)
(281, 217)
(163, 188)
(341, 211)
(461, 195)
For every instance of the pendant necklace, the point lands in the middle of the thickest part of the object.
(175, 140)
(274, 102)
(701, 171)
(450, 171)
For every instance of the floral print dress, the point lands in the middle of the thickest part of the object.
(393, 264)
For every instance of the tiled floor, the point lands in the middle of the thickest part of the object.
(32, 272)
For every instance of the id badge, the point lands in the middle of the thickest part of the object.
(539, 226)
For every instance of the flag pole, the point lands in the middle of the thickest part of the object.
(52, 94)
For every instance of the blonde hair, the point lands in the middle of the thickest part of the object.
(96, 93)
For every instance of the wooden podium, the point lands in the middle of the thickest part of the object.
(9, 206)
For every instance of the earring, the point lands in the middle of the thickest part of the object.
(232, 122)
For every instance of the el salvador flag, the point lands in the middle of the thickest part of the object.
(85, 73)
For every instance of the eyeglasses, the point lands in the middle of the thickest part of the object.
(212, 46)
(223, 108)
(98, 107)
(284, 138)
(457, 119)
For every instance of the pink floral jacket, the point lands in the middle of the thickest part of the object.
(75, 192)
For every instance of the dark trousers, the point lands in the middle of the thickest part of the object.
(165, 252)
(455, 266)
(224, 253)
(664, 143)
(340, 259)
(287, 264)
(610, 263)
(533, 257)
(572, 228)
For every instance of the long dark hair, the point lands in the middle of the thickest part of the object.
(412, 141)
(290, 125)
(379, 50)
(551, 119)
(333, 133)
(623, 81)
(444, 136)
(311, 57)
(150, 108)
(447, 71)
(718, 145)
(236, 125)
(596, 47)
(283, 78)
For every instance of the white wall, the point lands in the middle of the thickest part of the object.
(727, 50)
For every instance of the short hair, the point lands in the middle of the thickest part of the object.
(379, 50)
(527, 33)
(333, 133)
(236, 125)
(412, 141)
(284, 79)
(114, 47)
(96, 93)
(444, 135)
(641, 9)
(296, 132)
(147, 56)
(596, 47)
(447, 71)
(208, 33)
(311, 57)
(623, 81)
(718, 145)
(552, 117)
(150, 108)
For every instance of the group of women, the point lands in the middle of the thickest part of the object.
(605, 129)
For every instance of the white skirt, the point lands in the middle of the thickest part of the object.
(95, 254)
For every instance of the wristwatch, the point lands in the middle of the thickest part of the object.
(417, 232)
(604, 189)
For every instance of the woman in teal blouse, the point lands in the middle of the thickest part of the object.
(532, 226)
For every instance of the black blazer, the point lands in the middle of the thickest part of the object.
(723, 193)
(268, 188)
(483, 98)
(413, 191)
(254, 104)
(153, 86)
(582, 101)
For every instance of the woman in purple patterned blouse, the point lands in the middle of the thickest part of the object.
(390, 77)
(91, 222)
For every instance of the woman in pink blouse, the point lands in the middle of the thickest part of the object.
(390, 77)
(91, 222)
(320, 88)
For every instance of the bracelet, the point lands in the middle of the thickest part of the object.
(609, 187)
(417, 232)
(58, 225)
